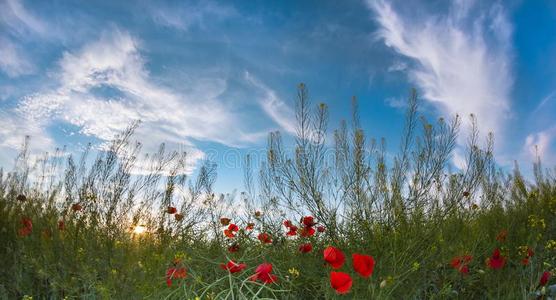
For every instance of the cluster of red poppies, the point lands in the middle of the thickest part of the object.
(496, 261)
(528, 254)
(341, 282)
(307, 226)
(173, 211)
(174, 273)
(27, 223)
(263, 272)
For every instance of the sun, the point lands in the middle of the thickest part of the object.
(139, 229)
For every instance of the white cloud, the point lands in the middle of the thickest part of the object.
(13, 61)
(114, 64)
(460, 61)
(13, 129)
(541, 145)
(185, 15)
(17, 24)
(397, 66)
(273, 106)
(396, 102)
(19, 20)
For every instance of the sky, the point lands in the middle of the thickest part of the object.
(213, 78)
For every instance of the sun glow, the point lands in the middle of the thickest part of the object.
(139, 229)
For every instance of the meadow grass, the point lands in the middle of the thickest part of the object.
(71, 228)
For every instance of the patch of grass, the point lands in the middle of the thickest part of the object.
(68, 227)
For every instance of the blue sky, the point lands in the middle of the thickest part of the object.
(213, 78)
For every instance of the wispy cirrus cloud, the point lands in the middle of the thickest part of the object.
(13, 60)
(273, 106)
(104, 86)
(184, 15)
(461, 60)
(17, 22)
(541, 145)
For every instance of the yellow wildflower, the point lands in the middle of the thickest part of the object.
(294, 272)
(551, 245)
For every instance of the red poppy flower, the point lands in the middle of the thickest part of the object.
(320, 229)
(171, 210)
(233, 227)
(229, 233)
(341, 282)
(305, 248)
(308, 221)
(233, 267)
(363, 264)
(460, 263)
(502, 235)
(288, 223)
(24, 231)
(496, 261)
(464, 270)
(530, 252)
(225, 221)
(307, 231)
(525, 261)
(292, 231)
(334, 257)
(250, 226)
(264, 238)
(178, 217)
(61, 225)
(263, 273)
(27, 222)
(76, 207)
(233, 248)
(174, 273)
(544, 278)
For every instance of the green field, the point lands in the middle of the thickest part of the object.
(403, 224)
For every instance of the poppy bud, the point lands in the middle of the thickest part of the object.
(544, 278)
(264, 238)
(61, 225)
(233, 248)
(308, 221)
(305, 248)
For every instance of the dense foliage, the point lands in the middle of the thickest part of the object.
(329, 219)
